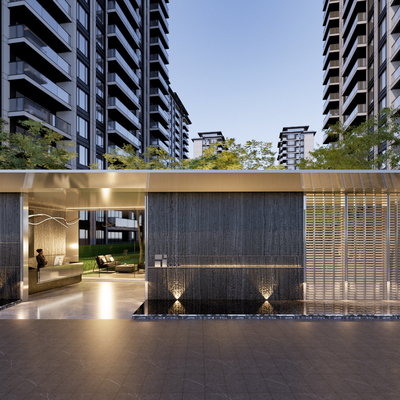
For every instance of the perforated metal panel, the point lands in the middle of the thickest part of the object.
(325, 270)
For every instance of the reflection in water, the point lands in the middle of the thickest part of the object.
(266, 308)
(177, 308)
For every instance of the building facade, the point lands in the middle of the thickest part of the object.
(96, 72)
(204, 141)
(295, 143)
(361, 60)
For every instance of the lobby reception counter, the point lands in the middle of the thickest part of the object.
(54, 277)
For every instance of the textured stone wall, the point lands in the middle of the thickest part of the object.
(263, 231)
(10, 246)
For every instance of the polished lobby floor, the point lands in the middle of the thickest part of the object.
(80, 342)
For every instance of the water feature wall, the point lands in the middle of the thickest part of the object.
(225, 246)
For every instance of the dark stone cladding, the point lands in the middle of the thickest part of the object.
(259, 234)
(10, 246)
(238, 283)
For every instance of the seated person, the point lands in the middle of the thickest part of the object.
(41, 259)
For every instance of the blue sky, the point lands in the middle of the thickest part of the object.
(248, 68)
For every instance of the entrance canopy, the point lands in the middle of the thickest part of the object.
(90, 190)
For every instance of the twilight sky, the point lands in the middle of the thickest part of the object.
(247, 68)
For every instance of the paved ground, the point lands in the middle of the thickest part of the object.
(63, 356)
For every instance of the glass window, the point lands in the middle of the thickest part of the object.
(99, 37)
(290, 142)
(82, 44)
(382, 104)
(82, 99)
(291, 155)
(82, 127)
(291, 149)
(382, 55)
(83, 234)
(291, 136)
(99, 216)
(82, 16)
(382, 29)
(99, 138)
(83, 155)
(99, 113)
(382, 5)
(290, 162)
(83, 72)
(382, 81)
(100, 162)
(99, 12)
(99, 234)
(99, 88)
(84, 215)
(99, 63)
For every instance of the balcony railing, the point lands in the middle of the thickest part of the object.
(23, 68)
(159, 143)
(157, 108)
(113, 29)
(114, 53)
(348, 99)
(114, 77)
(26, 105)
(50, 21)
(361, 108)
(22, 31)
(64, 4)
(115, 102)
(158, 126)
(395, 46)
(117, 127)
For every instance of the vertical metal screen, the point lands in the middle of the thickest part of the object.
(325, 272)
(347, 248)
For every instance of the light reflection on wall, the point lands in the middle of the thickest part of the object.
(177, 283)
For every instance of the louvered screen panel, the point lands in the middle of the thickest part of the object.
(394, 247)
(324, 246)
(366, 261)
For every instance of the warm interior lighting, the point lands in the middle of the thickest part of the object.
(106, 303)
(62, 221)
(177, 308)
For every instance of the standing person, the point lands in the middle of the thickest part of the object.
(41, 259)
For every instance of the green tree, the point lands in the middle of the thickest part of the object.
(253, 155)
(355, 146)
(40, 147)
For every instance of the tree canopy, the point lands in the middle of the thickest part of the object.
(354, 150)
(40, 147)
(253, 155)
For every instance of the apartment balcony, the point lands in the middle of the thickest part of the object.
(328, 3)
(159, 131)
(396, 103)
(160, 144)
(27, 45)
(331, 102)
(24, 107)
(332, 69)
(118, 64)
(156, 29)
(358, 72)
(359, 28)
(348, 18)
(118, 88)
(396, 22)
(156, 94)
(330, 137)
(157, 63)
(164, 6)
(330, 119)
(117, 110)
(395, 83)
(157, 46)
(348, 6)
(157, 12)
(331, 32)
(116, 39)
(395, 3)
(357, 116)
(329, 16)
(396, 50)
(129, 19)
(332, 54)
(25, 78)
(158, 77)
(64, 6)
(157, 113)
(358, 51)
(40, 20)
(113, 31)
(120, 135)
(356, 96)
(332, 85)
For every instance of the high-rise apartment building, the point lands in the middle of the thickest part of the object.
(204, 141)
(94, 71)
(362, 59)
(295, 143)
